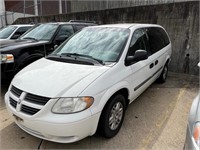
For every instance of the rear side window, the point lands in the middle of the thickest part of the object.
(158, 39)
(19, 32)
(79, 27)
(22, 30)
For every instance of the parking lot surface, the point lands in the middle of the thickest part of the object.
(155, 120)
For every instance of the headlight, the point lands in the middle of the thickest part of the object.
(196, 133)
(6, 58)
(72, 105)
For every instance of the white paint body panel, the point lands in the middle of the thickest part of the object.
(56, 79)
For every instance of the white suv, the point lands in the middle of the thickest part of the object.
(86, 84)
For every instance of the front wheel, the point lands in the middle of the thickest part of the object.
(163, 75)
(112, 117)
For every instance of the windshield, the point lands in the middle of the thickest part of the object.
(103, 44)
(7, 31)
(42, 32)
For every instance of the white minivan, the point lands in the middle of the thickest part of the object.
(86, 84)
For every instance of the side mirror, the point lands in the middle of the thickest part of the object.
(61, 39)
(139, 55)
(55, 46)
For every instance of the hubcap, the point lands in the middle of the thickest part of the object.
(116, 116)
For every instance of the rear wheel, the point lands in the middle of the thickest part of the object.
(112, 117)
(163, 75)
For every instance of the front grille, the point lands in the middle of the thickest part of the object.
(28, 103)
(29, 110)
(17, 92)
(13, 102)
(36, 99)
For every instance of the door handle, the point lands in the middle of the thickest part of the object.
(156, 62)
(151, 65)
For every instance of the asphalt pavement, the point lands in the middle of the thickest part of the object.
(155, 120)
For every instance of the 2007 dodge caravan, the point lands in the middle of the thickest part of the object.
(86, 84)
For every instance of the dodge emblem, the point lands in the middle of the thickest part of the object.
(19, 101)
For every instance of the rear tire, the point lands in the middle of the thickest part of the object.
(112, 117)
(163, 75)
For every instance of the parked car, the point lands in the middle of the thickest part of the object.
(86, 84)
(35, 44)
(13, 31)
(192, 141)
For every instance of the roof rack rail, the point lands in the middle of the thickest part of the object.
(82, 21)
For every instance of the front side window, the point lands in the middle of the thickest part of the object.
(7, 31)
(102, 43)
(138, 42)
(66, 30)
(42, 32)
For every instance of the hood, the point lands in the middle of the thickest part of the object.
(10, 44)
(56, 79)
(4, 42)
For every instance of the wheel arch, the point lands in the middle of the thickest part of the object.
(122, 91)
(168, 59)
(29, 59)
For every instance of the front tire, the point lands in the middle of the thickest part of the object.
(112, 117)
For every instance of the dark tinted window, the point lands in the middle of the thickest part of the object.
(79, 26)
(157, 39)
(66, 30)
(22, 30)
(19, 32)
(138, 42)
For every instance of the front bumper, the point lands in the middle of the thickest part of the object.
(62, 128)
(7, 70)
(189, 141)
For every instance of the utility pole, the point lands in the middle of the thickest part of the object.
(65, 6)
(1, 21)
(6, 21)
(40, 7)
(36, 7)
(24, 8)
(60, 6)
(2, 13)
(107, 4)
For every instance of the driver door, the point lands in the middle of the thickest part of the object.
(141, 70)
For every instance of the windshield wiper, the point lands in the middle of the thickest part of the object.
(31, 38)
(82, 55)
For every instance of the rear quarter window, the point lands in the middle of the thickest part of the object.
(158, 39)
(79, 26)
(22, 30)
